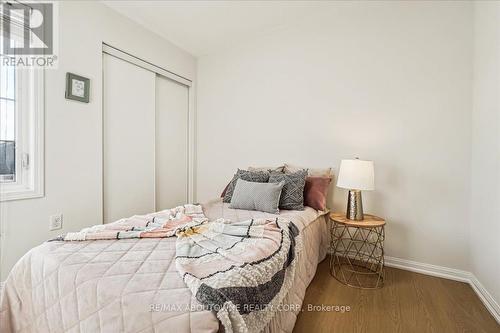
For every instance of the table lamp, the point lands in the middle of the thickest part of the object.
(355, 175)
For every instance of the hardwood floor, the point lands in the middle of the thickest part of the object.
(408, 302)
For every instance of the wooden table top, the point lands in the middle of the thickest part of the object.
(370, 221)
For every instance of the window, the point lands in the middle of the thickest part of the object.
(7, 124)
(21, 132)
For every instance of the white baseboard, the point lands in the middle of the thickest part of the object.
(451, 274)
(428, 269)
(486, 297)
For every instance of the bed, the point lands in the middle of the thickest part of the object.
(132, 285)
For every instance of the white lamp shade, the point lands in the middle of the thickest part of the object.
(356, 175)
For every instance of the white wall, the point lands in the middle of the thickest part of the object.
(485, 180)
(73, 151)
(390, 82)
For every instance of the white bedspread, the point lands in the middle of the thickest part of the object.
(131, 285)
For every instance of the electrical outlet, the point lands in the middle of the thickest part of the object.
(55, 222)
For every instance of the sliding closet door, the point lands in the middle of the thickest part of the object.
(171, 143)
(128, 139)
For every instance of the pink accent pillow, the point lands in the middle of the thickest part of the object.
(315, 192)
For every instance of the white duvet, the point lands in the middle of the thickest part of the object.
(131, 285)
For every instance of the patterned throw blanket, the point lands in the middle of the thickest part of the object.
(156, 225)
(242, 271)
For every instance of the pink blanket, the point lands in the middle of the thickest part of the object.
(156, 225)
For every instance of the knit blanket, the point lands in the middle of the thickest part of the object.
(242, 271)
(156, 225)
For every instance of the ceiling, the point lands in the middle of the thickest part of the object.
(201, 27)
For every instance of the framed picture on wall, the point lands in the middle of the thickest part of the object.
(77, 87)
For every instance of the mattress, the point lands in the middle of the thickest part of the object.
(131, 285)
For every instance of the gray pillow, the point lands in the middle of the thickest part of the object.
(292, 196)
(257, 196)
(251, 176)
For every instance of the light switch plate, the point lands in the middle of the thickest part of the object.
(55, 222)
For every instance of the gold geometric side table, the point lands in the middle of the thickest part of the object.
(357, 251)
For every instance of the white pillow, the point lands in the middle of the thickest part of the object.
(270, 169)
(314, 172)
